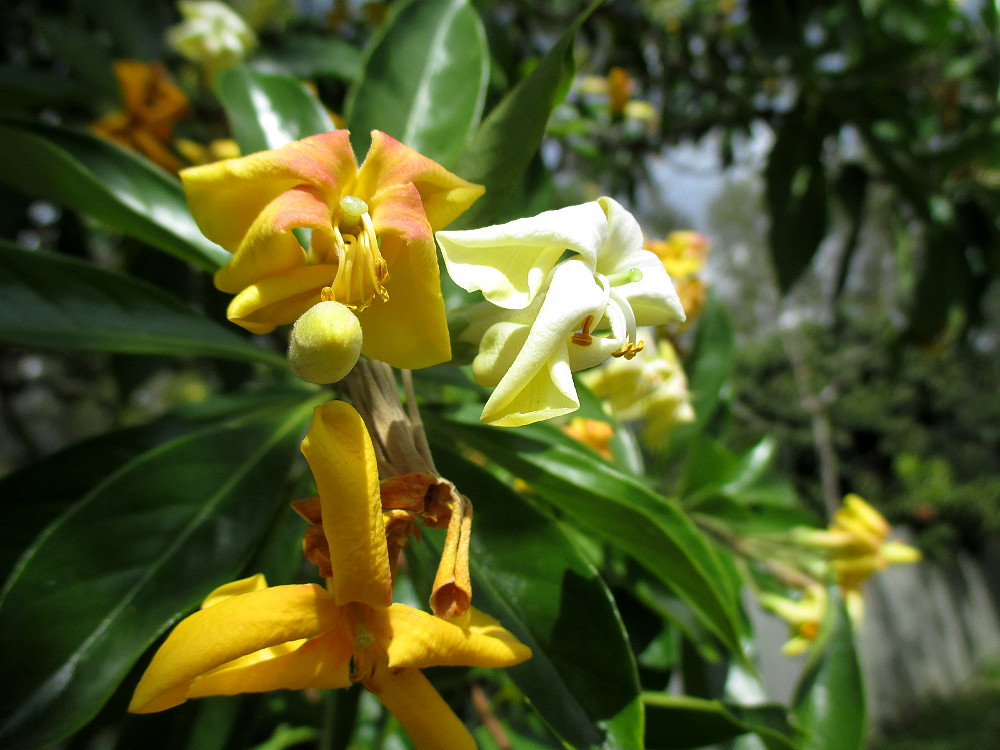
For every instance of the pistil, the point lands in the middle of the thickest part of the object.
(361, 269)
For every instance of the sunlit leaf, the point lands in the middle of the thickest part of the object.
(141, 549)
(114, 186)
(424, 79)
(58, 302)
(269, 110)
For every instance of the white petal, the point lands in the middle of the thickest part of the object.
(653, 299)
(539, 384)
(623, 242)
(509, 262)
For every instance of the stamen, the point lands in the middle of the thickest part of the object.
(361, 269)
(584, 338)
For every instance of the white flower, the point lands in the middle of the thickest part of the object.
(212, 34)
(545, 316)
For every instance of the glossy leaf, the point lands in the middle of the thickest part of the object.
(305, 56)
(678, 722)
(504, 144)
(527, 574)
(37, 494)
(269, 110)
(424, 79)
(59, 302)
(616, 508)
(829, 701)
(114, 186)
(140, 550)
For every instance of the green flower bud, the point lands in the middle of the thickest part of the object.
(325, 343)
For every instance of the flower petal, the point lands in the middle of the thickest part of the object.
(510, 262)
(427, 720)
(389, 163)
(342, 460)
(226, 197)
(410, 330)
(278, 300)
(233, 628)
(228, 590)
(270, 247)
(539, 383)
(419, 639)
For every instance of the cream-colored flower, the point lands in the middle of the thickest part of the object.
(546, 315)
(211, 34)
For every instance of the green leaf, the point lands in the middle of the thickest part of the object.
(37, 494)
(676, 722)
(829, 701)
(582, 678)
(503, 146)
(267, 110)
(140, 550)
(114, 186)
(58, 302)
(305, 56)
(796, 195)
(615, 507)
(424, 80)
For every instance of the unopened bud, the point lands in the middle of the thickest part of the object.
(325, 343)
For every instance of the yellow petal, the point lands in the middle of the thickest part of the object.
(389, 162)
(233, 628)
(320, 662)
(418, 639)
(270, 247)
(420, 710)
(410, 330)
(235, 588)
(226, 197)
(342, 460)
(278, 300)
(898, 552)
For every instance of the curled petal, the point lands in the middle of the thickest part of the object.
(342, 460)
(510, 262)
(269, 247)
(235, 588)
(389, 163)
(278, 300)
(410, 329)
(425, 717)
(539, 382)
(233, 628)
(418, 639)
(451, 593)
(226, 197)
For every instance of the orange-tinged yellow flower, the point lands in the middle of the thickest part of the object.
(371, 244)
(253, 638)
(151, 106)
(593, 433)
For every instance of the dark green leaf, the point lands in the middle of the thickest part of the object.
(796, 196)
(116, 187)
(613, 506)
(582, 677)
(676, 722)
(267, 110)
(829, 701)
(119, 566)
(58, 302)
(505, 143)
(424, 79)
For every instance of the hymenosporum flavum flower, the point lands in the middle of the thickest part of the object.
(250, 638)
(370, 247)
(547, 315)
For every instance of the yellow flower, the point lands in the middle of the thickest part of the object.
(804, 616)
(151, 105)
(683, 255)
(252, 638)
(371, 244)
(593, 433)
(651, 387)
(857, 543)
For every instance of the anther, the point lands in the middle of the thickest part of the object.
(583, 338)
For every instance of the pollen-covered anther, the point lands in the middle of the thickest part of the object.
(583, 337)
(629, 350)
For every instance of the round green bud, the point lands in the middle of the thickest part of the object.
(325, 343)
